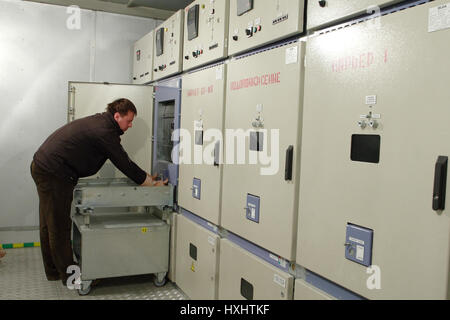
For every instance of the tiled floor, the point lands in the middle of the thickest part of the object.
(22, 277)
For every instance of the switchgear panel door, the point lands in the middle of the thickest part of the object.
(326, 12)
(244, 276)
(375, 140)
(201, 147)
(263, 131)
(197, 260)
(254, 23)
(205, 32)
(86, 99)
(166, 123)
(168, 47)
(143, 60)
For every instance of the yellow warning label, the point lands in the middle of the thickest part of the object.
(192, 267)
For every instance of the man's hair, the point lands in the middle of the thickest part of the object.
(122, 106)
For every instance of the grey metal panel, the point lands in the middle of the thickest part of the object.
(203, 102)
(171, 61)
(123, 245)
(211, 44)
(143, 60)
(267, 84)
(198, 277)
(268, 21)
(268, 282)
(406, 68)
(335, 11)
(122, 196)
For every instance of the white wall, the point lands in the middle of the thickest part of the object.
(39, 54)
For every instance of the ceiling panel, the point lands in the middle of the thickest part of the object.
(173, 5)
(156, 9)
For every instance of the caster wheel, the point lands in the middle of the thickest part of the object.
(85, 289)
(159, 280)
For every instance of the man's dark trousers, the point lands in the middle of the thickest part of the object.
(55, 200)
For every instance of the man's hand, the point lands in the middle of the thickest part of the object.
(151, 181)
(148, 181)
(160, 183)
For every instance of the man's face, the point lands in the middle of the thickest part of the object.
(126, 121)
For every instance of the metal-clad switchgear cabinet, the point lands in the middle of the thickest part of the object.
(143, 60)
(374, 158)
(205, 32)
(168, 47)
(326, 12)
(197, 259)
(244, 276)
(263, 133)
(202, 120)
(254, 23)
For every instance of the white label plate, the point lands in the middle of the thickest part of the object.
(292, 55)
(360, 253)
(279, 280)
(219, 73)
(211, 241)
(371, 100)
(439, 18)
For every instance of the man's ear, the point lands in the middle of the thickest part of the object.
(116, 116)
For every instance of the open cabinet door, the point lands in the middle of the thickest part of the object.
(86, 99)
(166, 124)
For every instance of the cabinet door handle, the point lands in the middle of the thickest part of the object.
(440, 183)
(288, 166)
(217, 154)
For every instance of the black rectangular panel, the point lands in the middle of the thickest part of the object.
(192, 22)
(244, 6)
(289, 163)
(366, 148)
(159, 42)
(246, 289)
(440, 183)
(193, 251)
